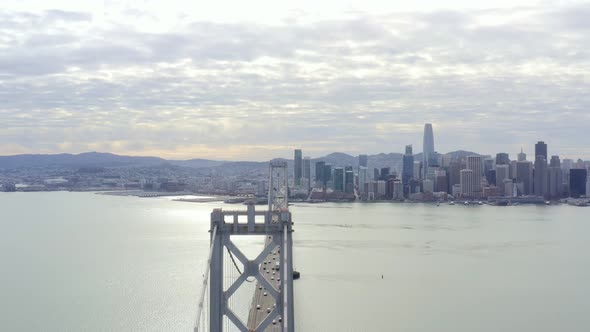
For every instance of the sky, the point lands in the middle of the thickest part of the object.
(252, 80)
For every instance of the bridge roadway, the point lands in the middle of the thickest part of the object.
(261, 303)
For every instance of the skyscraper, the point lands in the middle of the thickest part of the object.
(327, 174)
(502, 173)
(363, 178)
(298, 167)
(349, 181)
(521, 155)
(475, 164)
(502, 159)
(417, 170)
(428, 146)
(363, 160)
(555, 178)
(488, 171)
(408, 166)
(319, 171)
(555, 162)
(466, 182)
(441, 183)
(540, 177)
(454, 174)
(524, 175)
(541, 150)
(578, 182)
(307, 172)
(338, 179)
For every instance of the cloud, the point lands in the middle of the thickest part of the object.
(499, 77)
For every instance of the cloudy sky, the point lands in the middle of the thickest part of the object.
(251, 80)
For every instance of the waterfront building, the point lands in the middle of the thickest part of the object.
(427, 146)
(370, 190)
(502, 158)
(509, 188)
(555, 182)
(467, 182)
(327, 174)
(338, 179)
(474, 163)
(554, 178)
(298, 166)
(407, 169)
(492, 191)
(513, 169)
(349, 181)
(541, 150)
(440, 181)
(307, 172)
(381, 188)
(456, 190)
(398, 190)
(376, 174)
(502, 173)
(319, 173)
(363, 160)
(521, 155)
(407, 166)
(428, 186)
(454, 174)
(524, 176)
(362, 178)
(540, 175)
(578, 179)
(588, 187)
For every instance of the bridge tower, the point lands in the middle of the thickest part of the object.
(276, 226)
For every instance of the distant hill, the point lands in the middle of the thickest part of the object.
(196, 163)
(98, 159)
(94, 159)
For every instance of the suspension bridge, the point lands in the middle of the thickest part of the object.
(266, 282)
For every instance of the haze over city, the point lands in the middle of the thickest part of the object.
(237, 81)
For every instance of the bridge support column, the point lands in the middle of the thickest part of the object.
(216, 298)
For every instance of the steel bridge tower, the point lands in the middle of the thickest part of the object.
(276, 226)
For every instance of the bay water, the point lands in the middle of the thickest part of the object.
(88, 262)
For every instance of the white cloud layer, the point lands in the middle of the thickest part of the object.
(177, 84)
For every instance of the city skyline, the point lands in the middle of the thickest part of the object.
(217, 80)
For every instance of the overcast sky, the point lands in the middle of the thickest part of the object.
(252, 80)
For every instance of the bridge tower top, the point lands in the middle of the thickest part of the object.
(278, 188)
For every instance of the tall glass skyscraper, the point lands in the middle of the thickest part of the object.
(298, 167)
(428, 146)
(408, 166)
(541, 150)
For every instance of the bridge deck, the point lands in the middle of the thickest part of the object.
(258, 314)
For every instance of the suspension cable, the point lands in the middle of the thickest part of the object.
(205, 280)
(236, 265)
